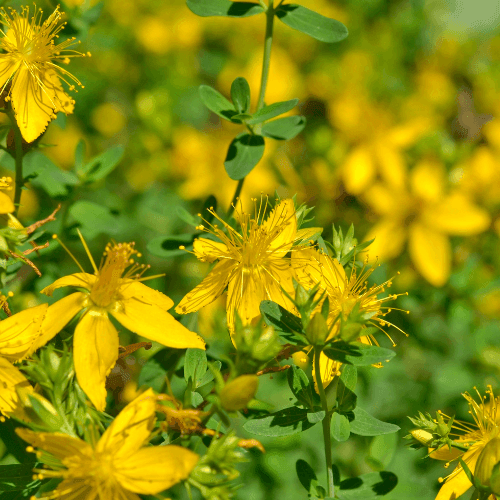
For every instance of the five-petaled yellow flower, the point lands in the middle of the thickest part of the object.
(486, 415)
(119, 465)
(28, 74)
(344, 293)
(251, 263)
(18, 334)
(115, 289)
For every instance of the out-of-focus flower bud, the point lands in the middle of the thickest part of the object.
(239, 392)
(488, 458)
(301, 359)
(39, 410)
(267, 345)
(317, 330)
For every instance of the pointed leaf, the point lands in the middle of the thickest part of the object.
(311, 23)
(243, 154)
(216, 102)
(358, 354)
(367, 486)
(205, 8)
(284, 129)
(282, 423)
(300, 385)
(346, 399)
(279, 318)
(268, 112)
(307, 476)
(366, 425)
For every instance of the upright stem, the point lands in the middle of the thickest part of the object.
(268, 42)
(237, 193)
(326, 423)
(18, 141)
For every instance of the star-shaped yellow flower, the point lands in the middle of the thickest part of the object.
(251, 263)
(486, 415)
(28, 72)
(314, 267)
(115, 289)
(17, 336)
(119, 465)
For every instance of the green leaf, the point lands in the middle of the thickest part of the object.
(381, 451)
(268, 112)
(157, 367)
(367, 486)
(94, 219)
(311, 23)
(279, 318)
(340, 427)
(358, 354)
(243, 154)
(80, 154)
(216, 102)
(205, 8)
(366, 425)
(284, 129)
(168, 246)
(282, 423)
(300, 385)
(346, 399)
(16, 477)
(186, 216)
(315, 417)
(240, 94)
(307, 476)
(195, 366)
(101, 165)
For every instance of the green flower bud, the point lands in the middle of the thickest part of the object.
(317, 330)
(267, 346)
(4, 247)
(239, 392)
(422, 436)
(488, 458)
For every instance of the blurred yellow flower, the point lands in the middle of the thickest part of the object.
(6, 204)
(424, 213)
(108, 119)
(17, 336)
(252, 263)
(119, 465)
(115, 288)
(28, 72)
(344, 293)
(486, 426)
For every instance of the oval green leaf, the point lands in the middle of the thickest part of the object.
(240, 94)
(282, 423)
(366, 425)
(216, 102)
(284, 129)
(340, 427)
(311, 23)
(168, 246)
(205, 8)
(243, 154)
(355, 353)
(271, 111)
(367, 486)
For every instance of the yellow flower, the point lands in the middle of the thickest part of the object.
(423, 213)
(17, 335)
(486, 415)
(115, 289)
(344, 293)
(6, 204)
(27, 70)
(118, 465)
(252, 263)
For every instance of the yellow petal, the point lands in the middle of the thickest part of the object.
(56, 443)
(281, 225)
(312, 266)
(18, 333)
(444, 453)
(386, 201)
(427, 180)
(6, 204)
(35, 99)
(8, 66)
(244, 295)
(80, 280)
(95, 348)
(457, 215)
(278, 278)
(58, 315)
(154, 469)
(307, 233)
(390, 236)
(209, 289)
(392, 166)
(10, 378)
(458, 483)
(131, 428)
(208, 250)
(358, 170)
(140, 291)
(149, 321)
(329, 369)
(79, 489)
(430, 251)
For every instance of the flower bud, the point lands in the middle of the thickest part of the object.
(301, 359)
(422, 436)
(39, 410)
(267, 346)
(488, 458)
(317, 330)
(239, 392)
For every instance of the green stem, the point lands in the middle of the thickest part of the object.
(237, 193)
(18, 140)
(268, 42)
(325, 422)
